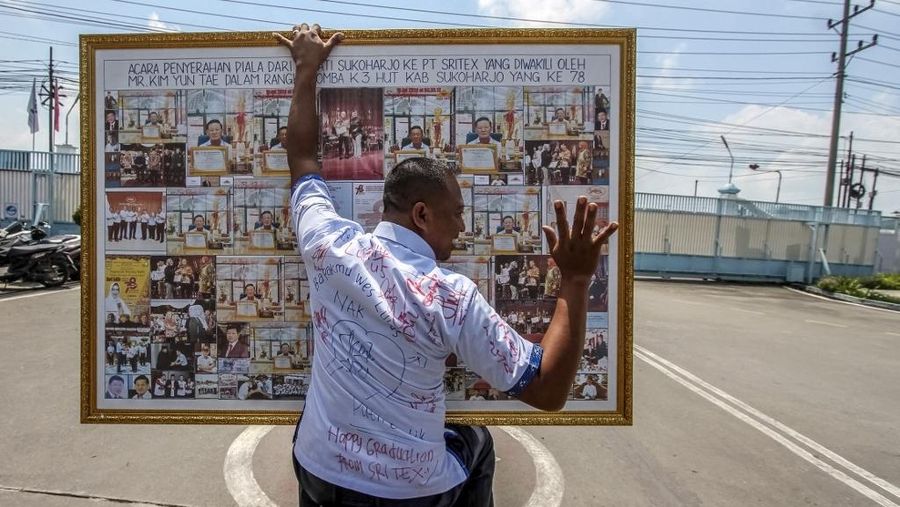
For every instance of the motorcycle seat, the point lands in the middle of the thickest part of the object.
(62, 238)
(32, 249)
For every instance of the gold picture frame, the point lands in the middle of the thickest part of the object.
(93, 48)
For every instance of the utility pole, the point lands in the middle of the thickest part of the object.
(847, 180)
(841, 59)
(861, 188)
(873, 192)
(51, 98)
(851, 169)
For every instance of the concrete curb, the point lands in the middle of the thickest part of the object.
(850, 299)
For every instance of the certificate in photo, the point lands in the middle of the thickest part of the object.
(478, 158)
(209, 160)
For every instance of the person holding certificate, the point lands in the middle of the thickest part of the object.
(416, 141)
(214, 132)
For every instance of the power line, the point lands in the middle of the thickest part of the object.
(139, 18)
(563, 23)
(876, 61)
(703, 9)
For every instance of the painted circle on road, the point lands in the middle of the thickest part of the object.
(242, 485)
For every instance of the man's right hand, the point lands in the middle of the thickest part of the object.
(575, 250)
(308, 50)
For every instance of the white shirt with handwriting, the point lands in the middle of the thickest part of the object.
(385, 318)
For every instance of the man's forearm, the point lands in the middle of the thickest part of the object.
(563, 344)
(303, 133)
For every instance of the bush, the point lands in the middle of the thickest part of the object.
(76, 217)
(864, 287)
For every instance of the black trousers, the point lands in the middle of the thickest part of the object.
(473, 445)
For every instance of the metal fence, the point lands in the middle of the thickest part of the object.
(25, 179)
(758, 209)
(66, 163)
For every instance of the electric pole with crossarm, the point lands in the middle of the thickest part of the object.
(841, 59)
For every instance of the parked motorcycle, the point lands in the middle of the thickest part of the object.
(45, 263)
(19, 233)
(30, 255)
(72, 247)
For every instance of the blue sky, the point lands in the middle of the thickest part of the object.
(761, 74)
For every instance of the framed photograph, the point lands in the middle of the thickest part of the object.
(276, 161)
(208, 160)
(476, 158)
(197, 307)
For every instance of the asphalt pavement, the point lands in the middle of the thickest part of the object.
(744, 395)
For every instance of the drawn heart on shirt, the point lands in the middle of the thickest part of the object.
(360, 358)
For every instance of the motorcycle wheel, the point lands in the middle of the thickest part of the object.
(57, 274)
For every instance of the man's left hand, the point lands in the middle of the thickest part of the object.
(307, 47)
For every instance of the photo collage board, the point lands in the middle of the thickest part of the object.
(202, 296)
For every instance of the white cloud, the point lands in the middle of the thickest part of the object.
(802, 185)
(666, 63)
(587, 11)
(154, 22)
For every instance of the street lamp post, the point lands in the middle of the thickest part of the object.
(755, 167)
(731, 169)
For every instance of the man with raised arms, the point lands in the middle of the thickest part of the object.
(386, 317)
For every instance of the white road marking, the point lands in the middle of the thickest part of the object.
(238, 469)
(823, 323)
(550, 484)
(697, 385)
(242, 485)
(823, 298)
(35, 294)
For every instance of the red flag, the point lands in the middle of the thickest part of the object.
(56, 108)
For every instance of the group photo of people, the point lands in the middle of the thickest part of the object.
(525, 277)
(352, 133)
(127, 351)
(158, 165)
(135, 221)
(172, 384)
(185, 277)
(530, 318)
(182, 320)
(559, 163)
(291, 386)
(595, 357)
